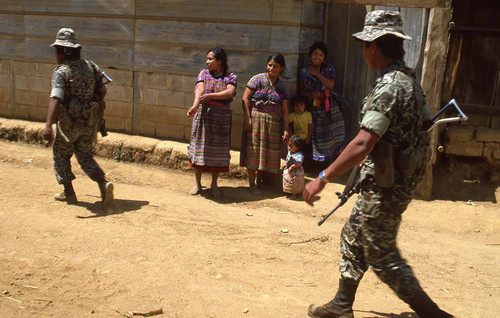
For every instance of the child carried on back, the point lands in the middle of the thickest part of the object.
(293, 174)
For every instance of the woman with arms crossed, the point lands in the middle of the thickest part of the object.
(211, 130)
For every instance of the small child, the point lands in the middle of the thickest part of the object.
(301, 120)
(293, 174)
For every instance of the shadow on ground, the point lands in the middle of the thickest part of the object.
(464, 179)
(119, 206)
(368, 314)
(242, 194)
(271, 187)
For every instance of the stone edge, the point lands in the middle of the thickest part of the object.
(119, 147)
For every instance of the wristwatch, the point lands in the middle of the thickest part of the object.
(323, 178)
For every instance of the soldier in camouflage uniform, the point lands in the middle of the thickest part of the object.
(76, 100)
(394, 117)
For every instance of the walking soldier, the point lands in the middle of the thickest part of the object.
(76, 100)
(393, 136)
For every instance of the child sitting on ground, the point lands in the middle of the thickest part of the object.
(293, 174)
(301, 120)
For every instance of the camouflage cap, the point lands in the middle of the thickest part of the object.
(66, 37)
(379, 23)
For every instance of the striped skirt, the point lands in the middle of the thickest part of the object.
(211, 139)
(293, 182)
(264, 143)
(328, 133)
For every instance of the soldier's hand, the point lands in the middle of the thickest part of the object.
(312, 188)
(47, 133)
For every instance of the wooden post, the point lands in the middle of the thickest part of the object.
(433, 72)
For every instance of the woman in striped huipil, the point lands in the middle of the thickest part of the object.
(265, 105)
(211, 129)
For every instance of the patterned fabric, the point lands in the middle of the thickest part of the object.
(211, 128)
(379, 23)
(369, 239)
(216, 84)
(264, 143)
(394, 110)
(267, 97)
(75, 84)
(294, 158)
(328, 131)
(293, 181)
(82, 147)
(66, 37)
(301, 123)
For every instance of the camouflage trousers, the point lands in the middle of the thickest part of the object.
(369, 239)
(82, 147)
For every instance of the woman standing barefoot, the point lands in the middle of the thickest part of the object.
(265, 105)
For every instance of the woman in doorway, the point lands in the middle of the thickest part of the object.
(211, 129)
(316, 82)
(265, 106)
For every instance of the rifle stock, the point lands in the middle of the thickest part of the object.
(353, 181)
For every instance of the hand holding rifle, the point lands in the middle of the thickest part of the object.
(317, 185)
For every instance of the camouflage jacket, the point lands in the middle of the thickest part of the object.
(77, 84)
(396, 110)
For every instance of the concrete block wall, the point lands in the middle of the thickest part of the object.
(32, 87)
(120, 100)
(161, 100)
(481, 140)
(5, 90)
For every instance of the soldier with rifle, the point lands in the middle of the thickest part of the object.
(76, 107)
(394, 141)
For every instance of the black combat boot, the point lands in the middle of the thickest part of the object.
(68, 195)
(341, 305)
(426, 308)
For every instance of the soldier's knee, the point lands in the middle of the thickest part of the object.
(96, 174)
(379, 258)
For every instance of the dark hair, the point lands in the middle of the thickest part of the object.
(318, 45)
(220, 55)
(390, 45)
(69, 53)
(278, 58)
(297, 99)
(298, 141)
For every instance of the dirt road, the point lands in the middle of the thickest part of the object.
(196, 257)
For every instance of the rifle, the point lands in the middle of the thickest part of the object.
(351, 186)
(102, 126)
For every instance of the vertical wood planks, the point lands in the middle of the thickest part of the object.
(433, 73)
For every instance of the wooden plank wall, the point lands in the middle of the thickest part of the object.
(354, 80)
(155, 48)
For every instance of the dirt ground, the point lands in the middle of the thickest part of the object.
(197, 257)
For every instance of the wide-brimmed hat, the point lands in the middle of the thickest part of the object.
(379, 23)
(66, 37)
